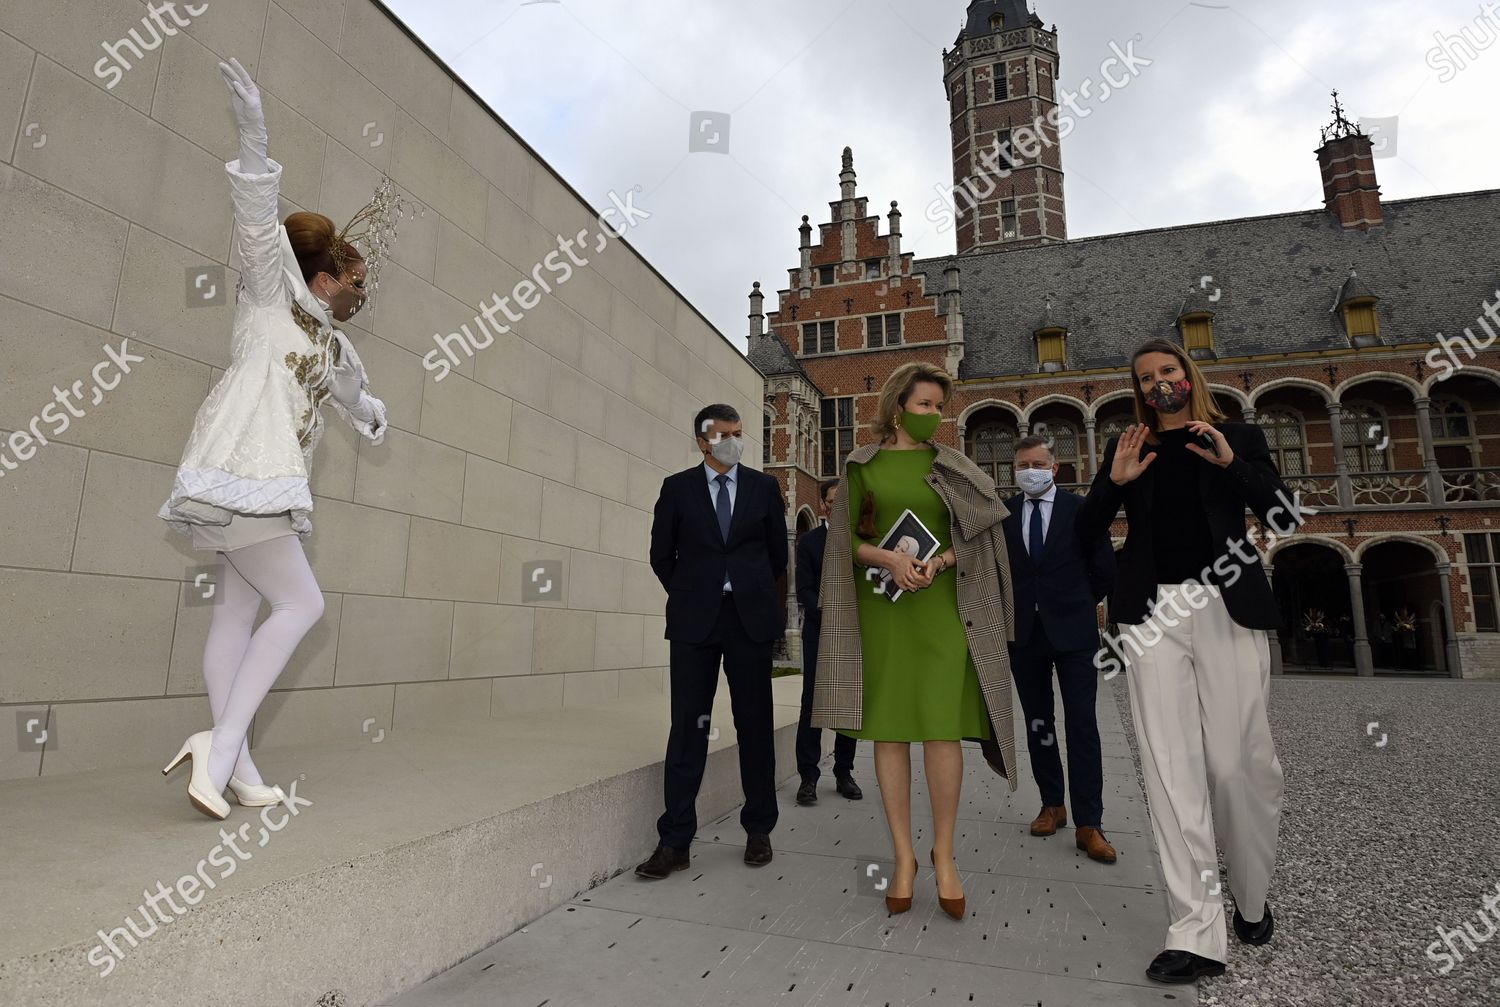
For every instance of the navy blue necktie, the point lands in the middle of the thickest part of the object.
(721, 504)
(1034, 531)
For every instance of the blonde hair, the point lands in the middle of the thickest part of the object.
(1201, 405)
(897, 390)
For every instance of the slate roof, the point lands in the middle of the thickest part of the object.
(1016, 16)
(771, 356)
(1431, 265)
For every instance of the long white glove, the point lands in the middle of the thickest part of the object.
(347, 383)
(244, 97)
(344, 383)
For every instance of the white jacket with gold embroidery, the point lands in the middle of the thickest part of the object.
(251, 447)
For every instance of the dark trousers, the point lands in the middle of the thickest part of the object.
(695, 679)
(809, 738)
(1078, 680)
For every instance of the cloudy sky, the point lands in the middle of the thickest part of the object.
(1223, 123)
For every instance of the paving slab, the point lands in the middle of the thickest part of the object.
(1044, 924)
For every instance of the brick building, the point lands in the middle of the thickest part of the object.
(1361, 336)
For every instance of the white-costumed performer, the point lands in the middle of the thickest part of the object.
(241, 489)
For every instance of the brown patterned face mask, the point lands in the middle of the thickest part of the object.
(1169, 396)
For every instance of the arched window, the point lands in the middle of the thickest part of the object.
(1112, 427)
(1287, 436)
(1367, 442)
(1452, 433)
(1063, 438)
(992, 445)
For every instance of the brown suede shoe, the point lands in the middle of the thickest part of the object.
(1049, 820)
(1092, 842)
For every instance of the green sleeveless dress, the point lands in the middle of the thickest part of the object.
(920, 683)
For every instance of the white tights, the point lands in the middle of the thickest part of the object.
(240, 666)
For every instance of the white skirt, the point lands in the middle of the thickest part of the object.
(242, 530)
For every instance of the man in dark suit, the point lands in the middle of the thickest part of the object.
(809, 738)
(1059, 578)
(718, 544)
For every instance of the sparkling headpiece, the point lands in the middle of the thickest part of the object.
(375, 226)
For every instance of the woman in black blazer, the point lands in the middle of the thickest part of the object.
(1193, 604)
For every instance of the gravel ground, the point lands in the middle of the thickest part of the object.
(1380, 845)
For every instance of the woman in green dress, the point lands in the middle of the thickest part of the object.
(919, 680)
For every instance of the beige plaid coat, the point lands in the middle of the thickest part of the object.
(985, 602)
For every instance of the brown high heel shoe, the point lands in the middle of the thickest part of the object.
(953, 907)
(895, 904)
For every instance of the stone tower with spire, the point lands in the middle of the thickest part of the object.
(1001, 80)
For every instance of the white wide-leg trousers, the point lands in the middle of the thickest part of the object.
(1198, 695)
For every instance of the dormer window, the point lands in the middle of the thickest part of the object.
(1356, 306)
(997, 22)
(825, 276)
(1051, 338)
(1195, 323)
(1197, 331)
(1361, 323)
(1052, 349)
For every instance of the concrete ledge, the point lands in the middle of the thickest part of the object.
(413, 854)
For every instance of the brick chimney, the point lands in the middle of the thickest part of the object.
(1350, 191)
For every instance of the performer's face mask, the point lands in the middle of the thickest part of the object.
(346, 301)
(1169, 396)
(920, 426)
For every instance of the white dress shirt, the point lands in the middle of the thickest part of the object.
(713, 496)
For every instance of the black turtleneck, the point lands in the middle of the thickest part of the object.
(1179, 522)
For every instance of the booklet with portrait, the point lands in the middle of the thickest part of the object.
(909, 535)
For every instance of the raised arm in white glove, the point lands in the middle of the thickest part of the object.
(244, 96)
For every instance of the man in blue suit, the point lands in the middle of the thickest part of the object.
(1059, 579)
(810, 739)
(718, 545)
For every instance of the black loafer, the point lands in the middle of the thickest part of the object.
(808, 792)
(662, 862)
(847, 787)
(1254, 933)
(1182, 967)
(758, 849)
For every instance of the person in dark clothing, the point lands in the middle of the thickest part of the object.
(1199, 676)
(718, 544)
(809, 738)
(1060, 577)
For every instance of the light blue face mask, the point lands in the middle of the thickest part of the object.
(1034, 482)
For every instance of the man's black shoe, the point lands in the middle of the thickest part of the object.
(847, 787)
(1182, 967)
(662, 862)
(1254, 933)
(808, 792)
(758, 849)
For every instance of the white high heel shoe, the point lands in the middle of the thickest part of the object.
(200, 788)
(255, 795)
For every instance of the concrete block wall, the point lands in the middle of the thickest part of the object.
(549, 444)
